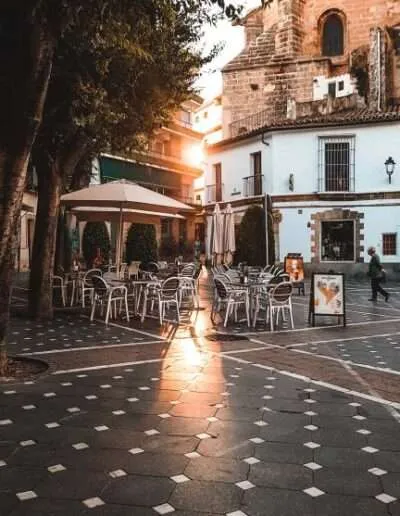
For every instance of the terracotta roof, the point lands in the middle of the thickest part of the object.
(259, 52)
(343, 118)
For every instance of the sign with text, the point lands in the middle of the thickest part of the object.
(327, 297)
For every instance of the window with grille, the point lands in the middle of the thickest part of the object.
(336, 165)
(389, 244)
(333, 36)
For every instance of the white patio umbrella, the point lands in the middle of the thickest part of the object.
(216, 233)
(229, 233)
(123, 195)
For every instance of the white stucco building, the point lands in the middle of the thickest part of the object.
(331, 193)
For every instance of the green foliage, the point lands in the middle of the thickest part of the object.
(168, 248)
(95, 236)
(141, 243)
(251, 241)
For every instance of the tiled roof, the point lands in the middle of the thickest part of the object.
(258, 53)
(342, 118)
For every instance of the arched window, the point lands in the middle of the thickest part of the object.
(333, 36)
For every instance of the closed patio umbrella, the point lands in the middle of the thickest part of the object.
(229, 234)
(217, 233)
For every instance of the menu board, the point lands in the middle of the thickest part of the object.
(294, 266)
(327, 297)
(328, 294)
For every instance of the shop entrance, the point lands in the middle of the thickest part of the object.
(337, 241)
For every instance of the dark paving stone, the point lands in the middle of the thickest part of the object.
(389, 461)
(391, 484)
(118, 510)
(43, 507)
(170, 444)
(183, 426)
(196, 411)
(284, 476)
(284, 434)
(347, 482)
(137, 490)
(217, 470)
(20, 478)
(7, 502)
(344, 458)
(239, 414)
(283, 453)
(334, 505)
(233, 447)
(262, 501)
(335, 437)
(153, 464)
(72, 485)
(204, 497)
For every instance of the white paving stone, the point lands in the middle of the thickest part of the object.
(363, 431)
(26, 495)
(251, 460)
(314, 466)
(313, 491)
(119, 412)
(359, 418)
(29, 407)
(91, 397)
(80, 446)
(180, 479)
(377, 472)
(136, 451)
(245, 485)
(52, 425)
(192, 455)
(312, 445)
(370, 449)
(29, 442)
(4, 422)
(101, 428)
(72, 410)
(312, 428)
(260, 423)
(56, 468)
(385, 498)
(212, 419)
(3, 463)
(132, 400)
(203, 436)
(117, 473)
(257, 440)
(93, 502)
(164, 416)
(236, 513)
(152, 431)
(165, 508)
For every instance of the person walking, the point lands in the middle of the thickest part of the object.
(376, 273)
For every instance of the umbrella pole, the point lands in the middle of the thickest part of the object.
(119, 243)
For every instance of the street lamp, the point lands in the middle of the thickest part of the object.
(390, 165)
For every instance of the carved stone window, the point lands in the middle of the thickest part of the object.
(333, 35)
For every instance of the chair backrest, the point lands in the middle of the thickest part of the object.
(133, 268)
(281, 293)
(99, 285)
(188, 270)
(221, 288)
(170, 287)
(284, 277)
(278, 271)
(267, 268)
(152, 267)
(58, 281)
(87, 278)
(275, 280)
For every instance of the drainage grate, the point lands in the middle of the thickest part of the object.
(225, 337)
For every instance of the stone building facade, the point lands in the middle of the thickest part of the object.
(301, 53)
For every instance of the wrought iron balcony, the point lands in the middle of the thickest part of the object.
(214, 193)
(253, 185)
(250, 123)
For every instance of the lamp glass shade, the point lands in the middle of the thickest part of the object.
(390, 164)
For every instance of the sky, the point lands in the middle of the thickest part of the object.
(210, 82)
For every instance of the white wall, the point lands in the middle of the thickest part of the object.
(296, 152)
(294, 235)
(379, 220)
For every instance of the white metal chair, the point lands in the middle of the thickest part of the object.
(123, 271)
(58, 284)
(133, 270)
(169, 293)
(106, 295)
(279, 301)
(232, 298)
(87, 285)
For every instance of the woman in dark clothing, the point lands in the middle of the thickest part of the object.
(376, 273)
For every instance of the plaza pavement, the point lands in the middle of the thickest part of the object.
(201, 420)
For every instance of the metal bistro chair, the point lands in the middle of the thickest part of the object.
(87, 285)
(169, 293)
(106, 295)
(58, 284)
(280, 300)
(232, 298)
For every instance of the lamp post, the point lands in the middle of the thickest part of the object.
(390, 165)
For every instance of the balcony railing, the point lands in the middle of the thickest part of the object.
(253, 185)
(213, 193)
(250, 123)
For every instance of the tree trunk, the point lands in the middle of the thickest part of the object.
(50, 184)
(44, 243)
(24, 90)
